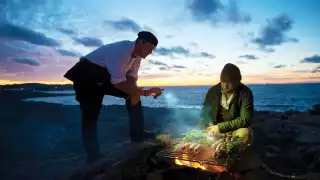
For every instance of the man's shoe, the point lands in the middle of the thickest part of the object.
(149, 134)
(92, 159)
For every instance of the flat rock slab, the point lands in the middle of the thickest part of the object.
(124, 161)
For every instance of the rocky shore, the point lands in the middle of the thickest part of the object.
(42, 140)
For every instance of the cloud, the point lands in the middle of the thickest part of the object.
(316, 70)
(124, 25)
(206, 55)
(165, 66)
(15, 32)
(154, 76)
(64, 52)
(89, 41)
(173, 67)
(241, 62)
(202, 10)
(312, 59)
(21, 61)
(249, 56)
(280, 66)
(214, 11)
(178, 66)
(157, 63)
(194, 44)
(15, 47)
(235, 15)
(274, 33)
(171, 51)
(28, 61)
(179, 50)
(66, 31)
(148, 28)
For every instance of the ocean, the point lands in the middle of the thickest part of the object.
(274, 97)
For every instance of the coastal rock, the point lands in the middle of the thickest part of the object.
(288, 114)
(315, 109)
(294, 135)
(285, 141)
(273, 149)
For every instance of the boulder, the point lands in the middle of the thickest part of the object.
(315, 109)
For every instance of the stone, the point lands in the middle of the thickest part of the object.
(249, 159)
(272, 148)
(315, 109)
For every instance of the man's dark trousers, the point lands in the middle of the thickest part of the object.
(90, 97)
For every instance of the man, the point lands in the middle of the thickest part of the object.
(112, 69)
(228, 109)
(228, 106)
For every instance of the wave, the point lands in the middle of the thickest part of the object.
(58, 92)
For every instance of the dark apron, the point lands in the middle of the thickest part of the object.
(86, 72)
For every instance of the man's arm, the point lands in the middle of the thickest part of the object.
(132, 79)
(132, 74)
(129, 88)
(245, 118)
(206, 110)
(127, 84)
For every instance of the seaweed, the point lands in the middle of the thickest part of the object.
(234, 147)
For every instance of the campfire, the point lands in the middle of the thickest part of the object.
(198, 149)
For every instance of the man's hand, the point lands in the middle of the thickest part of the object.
(213, 130)
(155, 91)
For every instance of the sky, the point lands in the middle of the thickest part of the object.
(271, 41)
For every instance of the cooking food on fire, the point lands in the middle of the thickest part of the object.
(195, 142)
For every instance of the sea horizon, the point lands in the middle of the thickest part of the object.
(70, 84)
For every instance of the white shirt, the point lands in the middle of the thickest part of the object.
(117, 59)
(225, 101)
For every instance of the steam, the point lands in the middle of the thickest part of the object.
(182, 120)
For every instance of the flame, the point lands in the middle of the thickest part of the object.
(177, 162)
(207, 167)
(189, 164)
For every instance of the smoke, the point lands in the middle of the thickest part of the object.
(182, 119)
(170, 99)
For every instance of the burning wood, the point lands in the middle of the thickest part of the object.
(198, 149)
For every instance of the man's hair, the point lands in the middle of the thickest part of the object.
(147, 36)
(230, 74)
